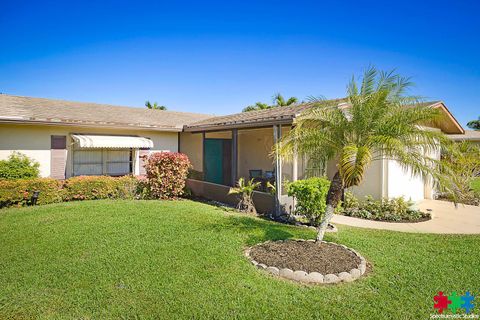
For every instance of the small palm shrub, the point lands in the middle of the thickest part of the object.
(245, 192)
(166, 173)
(464, 161)
(396, 209)
(311, 197)
(19, 166)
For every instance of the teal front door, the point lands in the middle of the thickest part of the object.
(214, 160)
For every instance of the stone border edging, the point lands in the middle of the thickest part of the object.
(312, 277)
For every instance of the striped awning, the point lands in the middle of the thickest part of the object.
(111, 142)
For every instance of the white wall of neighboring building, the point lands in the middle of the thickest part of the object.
(34, 141)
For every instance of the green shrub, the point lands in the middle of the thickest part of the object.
(396, 209)
(19, 192)
(166, 174)
(311, 197)
(99, 187)
(19, 166)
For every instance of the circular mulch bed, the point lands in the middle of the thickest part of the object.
(308, 261)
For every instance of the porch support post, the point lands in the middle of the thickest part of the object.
(295, 165)
(203, 156)
(234, 156)
(277, 134)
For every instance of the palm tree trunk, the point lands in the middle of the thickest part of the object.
(333, 198)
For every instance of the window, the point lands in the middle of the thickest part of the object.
(102, 162)
(58, 142)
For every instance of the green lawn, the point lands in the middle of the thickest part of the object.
(476, 185)
(149, 259)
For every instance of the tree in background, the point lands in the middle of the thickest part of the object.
(257, 106)
(278, 101)
(376, 125)
(155, 106)
(474, 124)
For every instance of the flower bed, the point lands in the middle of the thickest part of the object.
(392, 210)
(308, 261)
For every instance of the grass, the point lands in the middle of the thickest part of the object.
(476, 185)
(149, 259)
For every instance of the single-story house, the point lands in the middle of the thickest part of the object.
(72, 138)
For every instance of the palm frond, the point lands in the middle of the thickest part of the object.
(278, 99)
(353, 163)
(291, 100)
(368, 81)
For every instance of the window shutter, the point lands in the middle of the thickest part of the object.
(58, 157)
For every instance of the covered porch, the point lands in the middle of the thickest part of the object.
(221, 156)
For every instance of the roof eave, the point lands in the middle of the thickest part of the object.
(237, 125)
(89, 125)
(457, 125)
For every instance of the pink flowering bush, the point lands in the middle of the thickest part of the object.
(166, 173)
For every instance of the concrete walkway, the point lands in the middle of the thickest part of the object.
(446, 220)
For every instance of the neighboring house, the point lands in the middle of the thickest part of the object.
(470, 135)
(70, 138)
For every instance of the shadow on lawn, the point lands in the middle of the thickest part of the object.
(257, 231)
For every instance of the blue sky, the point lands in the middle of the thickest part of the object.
(217, 57)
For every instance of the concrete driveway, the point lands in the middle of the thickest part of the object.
(446, 219)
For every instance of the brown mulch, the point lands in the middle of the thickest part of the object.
(308, 256)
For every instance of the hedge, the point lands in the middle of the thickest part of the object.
(165, 179)
(99, 187)
(19, 192)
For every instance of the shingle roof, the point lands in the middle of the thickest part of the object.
(470, 135)
(40, 110)
(279, 115)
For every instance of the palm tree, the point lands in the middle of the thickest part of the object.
(279, 100)
(257, 106)
(474, 124)
(245, 190)
(377, 121)
(155, 106)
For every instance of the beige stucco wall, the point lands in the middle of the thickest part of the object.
(192, 145)
(254, 147)
(34, 141)
(219, 135)
(372, 183)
